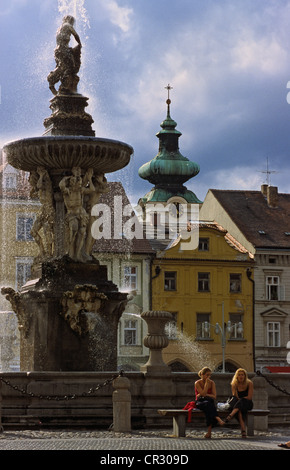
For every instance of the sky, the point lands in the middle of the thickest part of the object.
(228, 63)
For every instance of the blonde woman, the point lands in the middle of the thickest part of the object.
(205, 395)
(242, 390)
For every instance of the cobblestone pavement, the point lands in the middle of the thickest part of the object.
(139, 440)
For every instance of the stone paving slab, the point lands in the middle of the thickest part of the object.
(138, 444)
(156, 440)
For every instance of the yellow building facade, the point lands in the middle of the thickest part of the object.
(203, 287)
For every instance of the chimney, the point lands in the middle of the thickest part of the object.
(264, 189)
(272, 196)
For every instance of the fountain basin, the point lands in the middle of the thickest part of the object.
(65, 152)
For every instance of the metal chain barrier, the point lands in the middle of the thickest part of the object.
(64, 397)
(270, 382)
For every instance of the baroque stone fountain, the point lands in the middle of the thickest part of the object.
(68, 311)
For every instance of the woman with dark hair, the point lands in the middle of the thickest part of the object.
(205, 395)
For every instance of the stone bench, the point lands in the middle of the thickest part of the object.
(180, 418)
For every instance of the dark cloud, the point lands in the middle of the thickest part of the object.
(228, 63)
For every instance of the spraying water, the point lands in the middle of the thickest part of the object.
(193, 353)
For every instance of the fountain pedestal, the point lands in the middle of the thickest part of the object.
(66, 324)
(158, 388)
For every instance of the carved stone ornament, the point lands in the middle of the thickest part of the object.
(17, 306)
(76, 304)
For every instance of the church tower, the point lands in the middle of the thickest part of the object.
(169, 170)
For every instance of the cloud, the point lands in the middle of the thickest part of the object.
(264, 55)
(118, 15)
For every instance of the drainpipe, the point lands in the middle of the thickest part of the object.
(249, 273)
(157, 272)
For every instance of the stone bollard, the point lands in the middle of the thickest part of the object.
(260, 400)
(121, 405)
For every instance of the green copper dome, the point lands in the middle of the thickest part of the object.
(169, 170)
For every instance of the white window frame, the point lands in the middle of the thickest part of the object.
(274, 288)
(203, 244)
(171, 327)
(10, 181)
(235, 319)
(203, 281)
(27, 236)
(26, 263)
(273, 334)
(170, 280)
(130, 330)
(127, 285)
(235, 283)
(201, 319)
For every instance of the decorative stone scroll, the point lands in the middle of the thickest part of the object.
(15, 300)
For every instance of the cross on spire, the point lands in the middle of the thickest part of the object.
(168, 88)
(168, 101)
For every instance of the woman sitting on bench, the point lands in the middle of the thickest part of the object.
(242, 390)
(205, 395)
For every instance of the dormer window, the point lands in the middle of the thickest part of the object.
(203, 244)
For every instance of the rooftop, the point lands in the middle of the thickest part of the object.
(265, 225)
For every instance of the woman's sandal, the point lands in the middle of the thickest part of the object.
(228, 418)
(284, 446)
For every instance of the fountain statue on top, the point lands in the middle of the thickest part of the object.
(68, 311)
(68, 59)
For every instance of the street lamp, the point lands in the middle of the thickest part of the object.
(222, 331)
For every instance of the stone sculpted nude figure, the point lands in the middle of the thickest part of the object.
(68, 59)
(42, 186)
(76, 217)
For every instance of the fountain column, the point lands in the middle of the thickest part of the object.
(158, 389)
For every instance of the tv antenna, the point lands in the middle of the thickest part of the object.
(268, 173)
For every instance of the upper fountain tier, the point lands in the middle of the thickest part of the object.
(69, 140)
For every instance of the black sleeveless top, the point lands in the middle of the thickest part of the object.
(243, 393)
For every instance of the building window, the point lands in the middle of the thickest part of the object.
(201, 331)
(237, 331)
(171, 327)
(203, 244)
(274, 291)
(23, 271)
(170, 280)
(203, 282)
(235, 283)
(130, 332)
(10, 181)
(130, 277)
(273, 334)
(24, 224)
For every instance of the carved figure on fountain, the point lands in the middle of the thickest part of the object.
(42, 187)
(68, 59)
